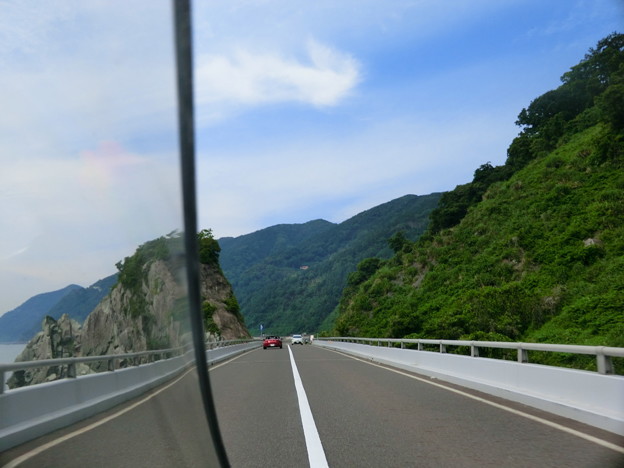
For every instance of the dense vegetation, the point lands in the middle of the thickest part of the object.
(208, 248)
(592, 91)
(532, 250)
(133, 270)
(289, 278)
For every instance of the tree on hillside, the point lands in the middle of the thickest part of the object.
(397, 242)
(208, 248)
(590, 92)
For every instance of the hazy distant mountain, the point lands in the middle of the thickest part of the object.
(289, 278)
(20, 324)
(80, 302)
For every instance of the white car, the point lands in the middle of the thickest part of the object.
(296, 339)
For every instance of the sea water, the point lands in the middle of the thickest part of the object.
(8, 353)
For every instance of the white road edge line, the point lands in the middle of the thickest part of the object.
(36, 451)
(546, 422)
(316, 454)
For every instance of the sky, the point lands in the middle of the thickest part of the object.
(304, 110)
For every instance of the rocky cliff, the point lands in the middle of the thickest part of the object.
(57, 339)
(217, 292)
(146, 309)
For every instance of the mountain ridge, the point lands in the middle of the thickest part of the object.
(20, 324)
(297, 287)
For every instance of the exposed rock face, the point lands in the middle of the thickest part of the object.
(111, 329)
(150, 316)
(216, 289)
(58, 339)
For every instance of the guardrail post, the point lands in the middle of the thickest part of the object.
(474, 351)
(523, 355)
(604, 363)
(420, 346)
(71, 370)
(402, 345)
(111, 365)
(1, 381)
(442, 348)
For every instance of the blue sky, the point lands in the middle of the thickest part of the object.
(304, 110)
(430, 91)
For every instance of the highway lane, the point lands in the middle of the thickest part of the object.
(369, 416)
(258, 410)
(165, 427)
(366, 415)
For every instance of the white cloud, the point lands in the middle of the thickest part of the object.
(248, 78)
(70, 219)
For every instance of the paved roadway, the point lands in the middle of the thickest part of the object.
(365, 416)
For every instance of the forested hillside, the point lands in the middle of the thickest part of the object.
(532, 250)
(240, 253)
(289, 277)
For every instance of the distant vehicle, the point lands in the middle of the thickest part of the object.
(272, 342)
(296, 339)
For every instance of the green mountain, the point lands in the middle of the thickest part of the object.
(529, 251)
(289, 277)
(238, 254)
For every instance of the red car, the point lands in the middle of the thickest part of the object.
(272, 342)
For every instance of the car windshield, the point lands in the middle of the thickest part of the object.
(322, 135)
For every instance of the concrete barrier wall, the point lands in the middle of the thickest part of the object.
(29, 412)
(589, 397)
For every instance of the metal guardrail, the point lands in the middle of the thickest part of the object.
(603, 354)
(135, 359)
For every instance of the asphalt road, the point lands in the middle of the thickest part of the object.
(370, 416)
(365, 416)
(164, 428)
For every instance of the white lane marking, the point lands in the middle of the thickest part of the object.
(316, 454)
(36, 451)
(546, 422)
